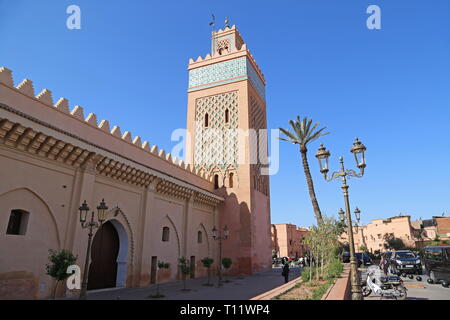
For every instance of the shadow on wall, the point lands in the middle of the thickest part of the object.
(237, 217)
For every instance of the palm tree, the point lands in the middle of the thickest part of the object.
(304, 133)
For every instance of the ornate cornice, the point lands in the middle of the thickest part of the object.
(27, 139)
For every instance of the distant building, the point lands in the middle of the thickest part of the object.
(434, 228)
(443, 227)
(373, 235)
(288, 240)
(418, 233)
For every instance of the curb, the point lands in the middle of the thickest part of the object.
(278, 290)
(340, 289)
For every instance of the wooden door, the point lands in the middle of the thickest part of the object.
(104, 251)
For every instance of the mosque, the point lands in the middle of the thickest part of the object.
(53, 158)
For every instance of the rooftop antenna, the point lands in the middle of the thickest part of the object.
(212, 24)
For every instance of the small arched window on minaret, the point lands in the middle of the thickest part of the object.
(227, 116)
(206, 120)
(216, 181)
(230, 180)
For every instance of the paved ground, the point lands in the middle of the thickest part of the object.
(418, 290)
(240, 288)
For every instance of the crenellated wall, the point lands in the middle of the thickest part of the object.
(58, 114)
(200, 61)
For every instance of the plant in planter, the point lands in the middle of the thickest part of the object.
(185, 270)
(161, 265)
(57, 268)
(226, 263)
(207, 262)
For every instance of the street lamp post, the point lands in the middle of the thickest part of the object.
(358, 151)
(357, 215)
(91, 225)
(217, 235)
(358, 222)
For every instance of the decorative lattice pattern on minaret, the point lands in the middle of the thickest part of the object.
(216, 142)
(259, 145)
(223, 46)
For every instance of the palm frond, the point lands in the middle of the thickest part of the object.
(303, 131)
(295, 129)
(291, 137)
(318, 134)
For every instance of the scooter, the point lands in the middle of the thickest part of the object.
(385, 286)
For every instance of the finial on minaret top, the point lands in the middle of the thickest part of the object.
(225, 41)
(213, 22)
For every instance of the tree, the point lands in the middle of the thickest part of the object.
(363, 248)
(322, 241)
(185, 270)
(227, 262)
(303, 134)
(207, 262)
(392, 242)
(57, 268)
(161, 265)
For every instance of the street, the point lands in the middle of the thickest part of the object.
(417, 290)
(238, 288)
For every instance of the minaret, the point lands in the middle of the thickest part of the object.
(226, 111)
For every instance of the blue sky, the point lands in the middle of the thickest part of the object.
(389, 87)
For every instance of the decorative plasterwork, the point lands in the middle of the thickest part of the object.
(256, 81)
(218, 73)
(225, 72)
(217, 144)
(260, 147)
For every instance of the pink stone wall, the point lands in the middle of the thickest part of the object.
(288, 240)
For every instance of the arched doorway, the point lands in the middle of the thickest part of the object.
(105, 250)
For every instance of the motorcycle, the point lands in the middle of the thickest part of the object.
(385, 286)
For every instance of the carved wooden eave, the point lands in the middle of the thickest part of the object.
(205, 199)
(28, 134)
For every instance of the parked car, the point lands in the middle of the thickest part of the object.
(437, 263)
(405, 261)
(363, 259)
(346, 257)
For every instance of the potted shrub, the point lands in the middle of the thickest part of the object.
(161, 265)
(226, 263)
(185, 270)
(207, 262)
(57, 268)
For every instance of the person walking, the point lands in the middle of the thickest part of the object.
(285, 272)
(384, 265)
